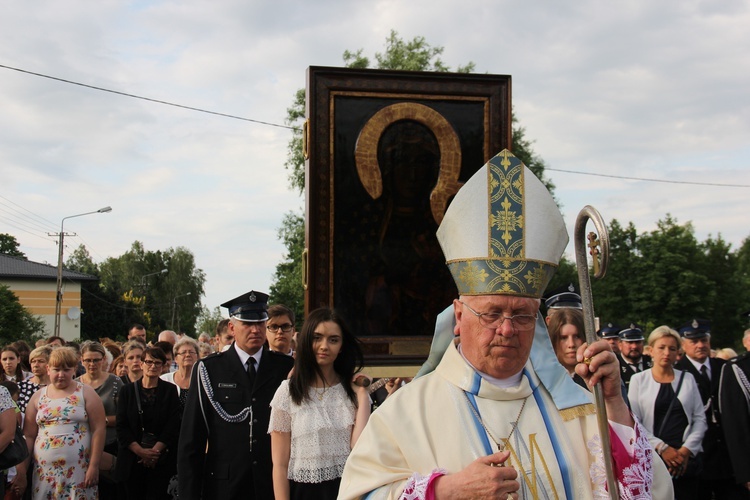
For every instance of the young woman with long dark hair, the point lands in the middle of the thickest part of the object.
(317, 415)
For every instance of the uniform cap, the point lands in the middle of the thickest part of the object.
(633, 333)
(696, 329)
(564, 297)
(250, 307)
(609, 331)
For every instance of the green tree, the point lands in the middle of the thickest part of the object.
(208, 320)
(671, 287)
(287, 288)
(9, 246)
(17, 322)
(101, 315)
(414, 55)
(80, 260)
(612, 303)
(720, 266)
(134, 290)
(567, 272)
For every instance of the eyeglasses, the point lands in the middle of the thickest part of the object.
(286, 327)
(493, 321)
(187, 353)
(151, 362)
(93, 361)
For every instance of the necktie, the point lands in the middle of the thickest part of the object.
(251, 370)
(704, 373)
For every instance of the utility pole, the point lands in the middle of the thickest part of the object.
(174, 308)
(62, 234)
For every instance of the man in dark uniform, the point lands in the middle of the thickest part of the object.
(225, 450)
(611, 333)
(716, 477)
(631, 357)
(734, 396)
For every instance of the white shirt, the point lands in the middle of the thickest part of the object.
(245, 356)
(698, 365)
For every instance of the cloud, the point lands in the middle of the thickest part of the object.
(639, 89)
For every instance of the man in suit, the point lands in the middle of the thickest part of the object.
(716, 477)
(734, 396)
(631, 357)
(224, 450)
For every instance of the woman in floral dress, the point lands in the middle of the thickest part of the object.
(65, 425)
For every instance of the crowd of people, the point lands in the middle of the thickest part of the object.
(673, 381)
(89, 411)
(503, 408)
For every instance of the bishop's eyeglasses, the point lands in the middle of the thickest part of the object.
(493, 321)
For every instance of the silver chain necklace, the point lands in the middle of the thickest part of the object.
(500, 447)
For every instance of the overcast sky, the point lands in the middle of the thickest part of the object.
(640, 89)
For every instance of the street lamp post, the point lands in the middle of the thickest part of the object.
(174, 307)
(58, 296)
(143, 284)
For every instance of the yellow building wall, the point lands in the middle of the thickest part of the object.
(38, 296)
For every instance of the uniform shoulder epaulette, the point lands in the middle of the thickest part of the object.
(211, 357)
(739, 358)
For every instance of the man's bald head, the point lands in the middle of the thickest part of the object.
(168, 336)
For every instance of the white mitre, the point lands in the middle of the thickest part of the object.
(503, 232)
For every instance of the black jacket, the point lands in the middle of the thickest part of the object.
(627, 371)
(165, 425)
(735, 413)
(229, 469)
(716, 463)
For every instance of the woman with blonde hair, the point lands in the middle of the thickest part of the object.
(669, 405)
(65, 432)
(105, 384)
(185, 354)
(38, 359)
(132, 354)
(726, 353)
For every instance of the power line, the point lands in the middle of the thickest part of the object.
(29, 232)
(200, 110)
(36, 218)
(646, 179)
(11, 217)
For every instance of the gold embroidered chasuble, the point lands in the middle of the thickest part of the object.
(429, 425)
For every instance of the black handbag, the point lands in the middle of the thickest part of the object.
(16, 451)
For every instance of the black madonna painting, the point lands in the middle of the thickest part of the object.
(386, 151)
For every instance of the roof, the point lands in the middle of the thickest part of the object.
(18, 268)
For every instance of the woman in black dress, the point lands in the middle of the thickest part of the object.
(148, 438)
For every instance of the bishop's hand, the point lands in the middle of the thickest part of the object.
(485, 477)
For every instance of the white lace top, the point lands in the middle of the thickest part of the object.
(321, 430)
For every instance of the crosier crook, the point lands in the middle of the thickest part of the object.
(600, 269)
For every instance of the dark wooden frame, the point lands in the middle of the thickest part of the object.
(332, 89)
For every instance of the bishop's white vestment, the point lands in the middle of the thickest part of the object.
(445, 420)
